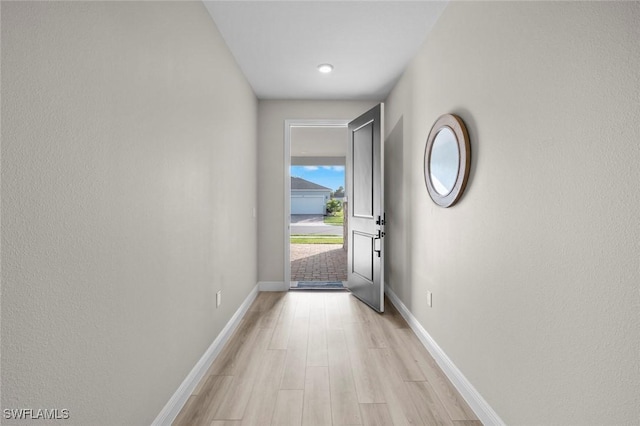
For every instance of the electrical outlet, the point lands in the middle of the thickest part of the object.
(218, 298)
(429, 299)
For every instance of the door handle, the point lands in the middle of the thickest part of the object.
(377, 244)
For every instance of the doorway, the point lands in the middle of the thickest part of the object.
(365, 220)
(315, 170)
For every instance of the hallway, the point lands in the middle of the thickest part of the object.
(317, 358)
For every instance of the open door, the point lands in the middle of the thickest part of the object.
(366, 208)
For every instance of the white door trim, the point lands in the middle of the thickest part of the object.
(288, 125)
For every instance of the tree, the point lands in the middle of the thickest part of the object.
(339, 193)
(334, 206)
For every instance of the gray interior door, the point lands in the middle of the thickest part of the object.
(366, 208)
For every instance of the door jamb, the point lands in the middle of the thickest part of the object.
(288, 125)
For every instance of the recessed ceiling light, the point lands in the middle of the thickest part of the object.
(325, 68)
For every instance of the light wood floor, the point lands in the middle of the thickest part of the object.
(312, 358)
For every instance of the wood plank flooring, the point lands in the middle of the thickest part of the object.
(323, 358)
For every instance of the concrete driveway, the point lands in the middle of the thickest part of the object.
(303, 224)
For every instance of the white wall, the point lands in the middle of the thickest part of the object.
(126, 130)
(535, 271)
(319, 141)
(271, 116)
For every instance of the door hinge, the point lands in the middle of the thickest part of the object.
(381, 219)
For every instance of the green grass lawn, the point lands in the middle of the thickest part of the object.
(336, 220)
(316, 239)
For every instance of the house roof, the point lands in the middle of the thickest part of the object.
(299, 183)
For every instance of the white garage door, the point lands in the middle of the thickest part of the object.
(307, 204)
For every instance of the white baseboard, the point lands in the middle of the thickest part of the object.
(179, 398)
(273, 286)
(477, 403)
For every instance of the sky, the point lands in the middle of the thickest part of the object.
(329, 176)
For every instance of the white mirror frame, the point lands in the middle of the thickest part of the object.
(456, 124)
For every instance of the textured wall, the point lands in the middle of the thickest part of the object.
(127, 129)
(535, 272)
(271, 116)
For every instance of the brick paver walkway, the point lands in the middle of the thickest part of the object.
(318, 262)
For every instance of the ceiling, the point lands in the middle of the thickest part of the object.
(279, 44)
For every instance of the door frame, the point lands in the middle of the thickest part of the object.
(288, 125)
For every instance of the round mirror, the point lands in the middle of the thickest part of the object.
(447, 159)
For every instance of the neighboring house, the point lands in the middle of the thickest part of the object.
(308, 197)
